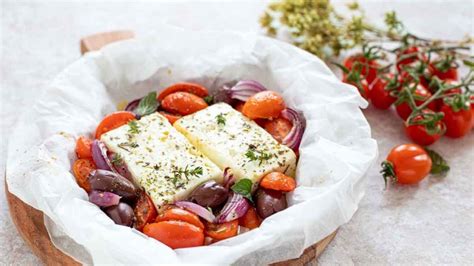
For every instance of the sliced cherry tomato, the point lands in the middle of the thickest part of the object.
(264, 104)
(83, 147)
(457, 123)
(368, 68)
(278, 128)
(379, 96)
(183, 103)
(410, 55)
(450, 72)
(171, 117)
(177, 214)
(175, 234)
(410, 162)
(193, 88)
(113, 121)
(144, 210)
(81, 169)
(363, 87)
(250, 220)
(222, 231)
(404, 109)
(419, 134)
(278, 181)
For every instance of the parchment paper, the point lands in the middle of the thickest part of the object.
(336, 151)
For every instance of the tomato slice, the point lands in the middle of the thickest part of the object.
(183, 103)
(81, 169)
(180, 215)
(171, 117)
(222, 231)
(175, 234)
(278, 128)
(193, 88)
(265, 104)
(83, 147)
(278, 181)
(145, 211)
(112, 121)
(250, 220)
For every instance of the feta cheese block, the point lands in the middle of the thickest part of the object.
(232, 140)
(160, 159)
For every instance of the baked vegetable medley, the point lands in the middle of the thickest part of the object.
(188, 168)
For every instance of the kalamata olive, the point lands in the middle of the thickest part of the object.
(209, 194)
(121, 214)
(270, 202)
(109, 181)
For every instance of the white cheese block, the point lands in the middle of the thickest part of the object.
(160, 159)
(232, 140)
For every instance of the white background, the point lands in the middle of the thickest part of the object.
(429, 223)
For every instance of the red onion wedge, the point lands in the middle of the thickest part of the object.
(131, 106)
(235, 207)
(229, 178)
(244, 89)
(293, 139)
(119, 166)
(99, 155)
(103, 198)
(197, 209)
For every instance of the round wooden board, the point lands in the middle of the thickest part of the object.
(30, 225)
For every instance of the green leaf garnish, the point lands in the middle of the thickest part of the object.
(209, 99)
(439, 164)
(244, 188)
(147, 105)
(220, 119)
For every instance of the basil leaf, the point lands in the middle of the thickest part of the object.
(244, 188)
(439, 164)
(147, 105)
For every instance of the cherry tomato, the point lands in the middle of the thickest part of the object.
(278, 181)
(175, 234)
(379, 96)
(363, 87)
(450, 73)
(368, 68)
(404, 109)
(144, 210)
(83, 147)
(250, 220)
(410, 55)
(439, 102)
(193, 88)
(183, 103)
(177, 214)
(264, 104)
(419, 134)
(472, 110)
(171, 117)
(113, 121)
(411, 163)
(458, 123)
(278, 128)
(222, 231)
(81, 169)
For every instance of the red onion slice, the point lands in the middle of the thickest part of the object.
(103, 198)
(131, 106)
(293, 139)
(99, 155)
(235, 207)
(119, 167)
(229, 178)
(244, 89)
(197, 209)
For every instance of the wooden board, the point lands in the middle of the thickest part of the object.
(30, 223)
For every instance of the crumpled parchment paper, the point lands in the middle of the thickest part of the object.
(336, 151)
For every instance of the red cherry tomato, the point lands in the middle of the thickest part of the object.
(404, 109)
(439, 102)
(83, 147)
(113, 121)
(409, 56)
(222, 231)
(368, 68)
(144, 210)
(175, 234)
(410, 162)
(379, 96)
(419, 134)
(265, 104)
(449, 73)
(457, 123)
(363, 87)
(472, 111)
(278, 128)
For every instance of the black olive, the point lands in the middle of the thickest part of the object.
(269, 202)
(209, 194)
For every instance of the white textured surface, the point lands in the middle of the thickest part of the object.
(431, 223)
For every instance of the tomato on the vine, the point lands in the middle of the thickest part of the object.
(419, 132)
(420, 95)
(406, 164)
(409, 56)
(361, 85)
(367, 67)
(458, 122)
(444, 69)
(379, 93)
